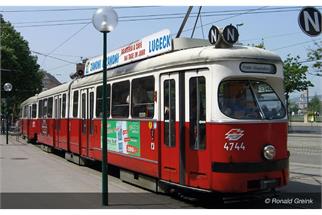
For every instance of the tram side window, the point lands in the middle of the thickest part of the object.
(50, 107)
(29, 112)
(120, 99)
(40, 113)
(83, 112)
(25, 112)
(45, 108)
(91, 112)
(99, 100)
(34, 111)
(169, 113)
(63, 115)
(142, 105)
(75, 104)
(197, 107)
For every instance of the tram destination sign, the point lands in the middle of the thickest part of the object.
(257, 68)
(152, 45)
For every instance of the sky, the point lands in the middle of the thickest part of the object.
(47, 31)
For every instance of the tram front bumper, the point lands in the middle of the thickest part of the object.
(246, 177)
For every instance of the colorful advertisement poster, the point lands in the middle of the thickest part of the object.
(124, 137)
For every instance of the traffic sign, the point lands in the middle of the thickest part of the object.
(213, 35)
(310, 21)
(230, 34)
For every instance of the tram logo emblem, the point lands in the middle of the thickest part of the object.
(234, 134)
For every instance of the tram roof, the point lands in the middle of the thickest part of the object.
(30, 100)
(186, 52)
(61, 88)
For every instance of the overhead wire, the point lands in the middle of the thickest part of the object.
(66, 40)
(271, 36)
(158, 17)
(295, 44)
(46, 55)
(68, 9)
(86, 24)
(155, 17)
(226, 18)
(58, 67)
(68, 55)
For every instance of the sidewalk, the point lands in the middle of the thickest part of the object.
(32, 178)
(308, 124)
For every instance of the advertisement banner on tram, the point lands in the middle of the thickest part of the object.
(152, 45)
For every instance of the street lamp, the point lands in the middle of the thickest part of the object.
(7, 88)
(104, 20)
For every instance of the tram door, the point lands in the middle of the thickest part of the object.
(170, 169)
(184, 152)
(87, 123)
(57, 121)
(29, 121)
(197, 152)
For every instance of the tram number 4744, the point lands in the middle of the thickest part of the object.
(231, 146)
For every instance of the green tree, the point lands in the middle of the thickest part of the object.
(18, 66)
(315, 55)
(261, 45)
(293, 107)
(294, 76)
(315, 104)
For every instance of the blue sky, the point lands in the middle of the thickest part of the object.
(279, 30)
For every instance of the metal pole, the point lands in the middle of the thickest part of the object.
(104, 130)
(307, 100)
(194, 27)
(184, 21)
(7, 122)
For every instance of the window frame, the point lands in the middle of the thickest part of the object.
(127, 97)
(133, 94)
(50, 107)
(75, 110)
(34, 111)
(63, 105)
(201, 115)
(96, 99)
(255, 100)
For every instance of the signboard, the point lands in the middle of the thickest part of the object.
(258, 68)
(230, 34)
(213, 35)
(310, 21)
(123, 137)
(151, 45)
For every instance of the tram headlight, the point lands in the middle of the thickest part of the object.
(269, 152)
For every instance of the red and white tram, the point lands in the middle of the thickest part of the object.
(195, 116)
(28, 121)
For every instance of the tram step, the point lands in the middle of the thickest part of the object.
(144, 181)
(75, 158)
(47, 149)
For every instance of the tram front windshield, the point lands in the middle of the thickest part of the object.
(249, 100)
